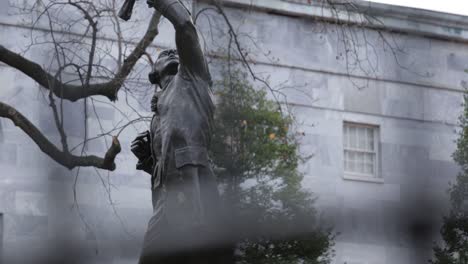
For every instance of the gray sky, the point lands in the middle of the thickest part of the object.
(448, 6)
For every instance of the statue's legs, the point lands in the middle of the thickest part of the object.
(187, 224)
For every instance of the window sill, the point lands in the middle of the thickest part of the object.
(362, 178)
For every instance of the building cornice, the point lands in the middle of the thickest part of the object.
(399, 19)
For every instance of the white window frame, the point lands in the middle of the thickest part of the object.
(376, 177)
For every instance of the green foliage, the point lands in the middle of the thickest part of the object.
(455, 227)
(253, 144)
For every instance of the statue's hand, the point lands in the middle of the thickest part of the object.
(126, 10)
(141, 146)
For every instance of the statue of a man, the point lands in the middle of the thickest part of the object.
(175, 150)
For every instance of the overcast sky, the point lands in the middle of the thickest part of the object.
(448, 6)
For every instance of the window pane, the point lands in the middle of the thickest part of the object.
(347, 161)
(359, 162)
(362, 138)
(345, 136)
(352, 137)
(351, 161)
(352, 165)
(366, 141)
(366, 164)
(363, 163)
(369, 163)
(369, 168)
(370, 138)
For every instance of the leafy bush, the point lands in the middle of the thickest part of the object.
(258, 153)
(455, 227)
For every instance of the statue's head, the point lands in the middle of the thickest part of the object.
(166, 64)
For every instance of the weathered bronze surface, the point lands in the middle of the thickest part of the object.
(186, 219)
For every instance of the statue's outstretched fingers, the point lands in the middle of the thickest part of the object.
(142, 135)
(138, 144)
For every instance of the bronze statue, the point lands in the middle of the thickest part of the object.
(186, 207)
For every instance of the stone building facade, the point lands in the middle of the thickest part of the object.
(381, 134)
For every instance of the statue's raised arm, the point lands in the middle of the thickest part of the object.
(192, 60)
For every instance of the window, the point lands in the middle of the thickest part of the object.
(361, 153)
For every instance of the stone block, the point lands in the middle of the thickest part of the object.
(98, 146)
(4, 7)
(403, 101)
(393, 220)
(73, 120)
(134, 220)
(442, 172)
(61, 174)
(17, 225)
(409, 160)
(31, 203)
(442, 146)
(442, 106)
(364, 100)
(402, 132)
(8, 153)
(136, 180)
(102, 112)
(30, 156)
(132, 197)
(7, 200)
(105, 224)
(457, 62)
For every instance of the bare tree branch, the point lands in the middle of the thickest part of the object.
(76, 92)
(62, 157)
(233, 38)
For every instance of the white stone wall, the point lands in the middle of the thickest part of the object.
(416, 111)
(414, 99)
